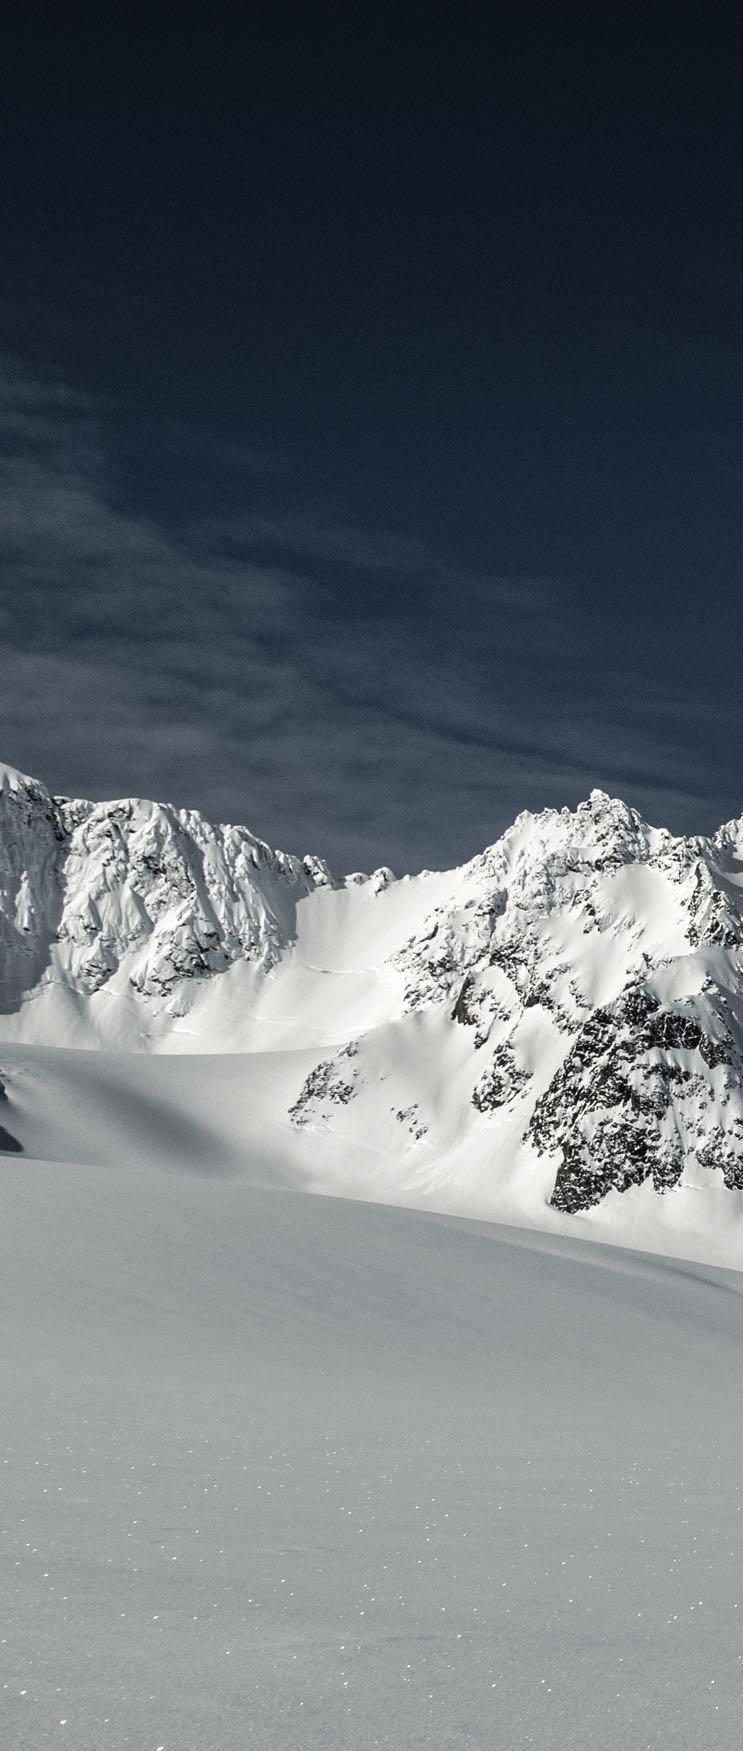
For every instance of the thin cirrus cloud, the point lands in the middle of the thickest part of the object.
(338, 688)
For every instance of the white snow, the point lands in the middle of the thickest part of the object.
(292, 1471)
(332, 1472)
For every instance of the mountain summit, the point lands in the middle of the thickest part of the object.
(558, 1022)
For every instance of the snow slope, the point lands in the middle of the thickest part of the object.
(295, 1471)
(552, 1034)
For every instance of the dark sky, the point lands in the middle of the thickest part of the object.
(370, 438)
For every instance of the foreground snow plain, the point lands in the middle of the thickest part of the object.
(297, 1471)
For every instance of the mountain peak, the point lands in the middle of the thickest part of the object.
(14, 782)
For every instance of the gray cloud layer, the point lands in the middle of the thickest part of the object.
(353, 692)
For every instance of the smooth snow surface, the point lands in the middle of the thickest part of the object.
(320, 1476)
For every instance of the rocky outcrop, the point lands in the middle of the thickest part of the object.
(634, 1100)
(503, 1081)
(331, 1083)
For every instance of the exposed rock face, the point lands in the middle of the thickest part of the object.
(502, 1082)
(32, 851)
(634, 1098)
(332, 1083)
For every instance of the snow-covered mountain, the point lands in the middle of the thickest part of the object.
(556, 1023)
(90, 889)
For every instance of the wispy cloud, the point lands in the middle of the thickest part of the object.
(337, 686)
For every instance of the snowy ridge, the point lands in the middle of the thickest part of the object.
(89, 890)
(555, 1024)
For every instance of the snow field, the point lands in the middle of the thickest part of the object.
(296, 1471)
